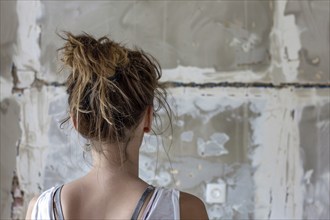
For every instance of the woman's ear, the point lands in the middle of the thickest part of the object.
(148, 119)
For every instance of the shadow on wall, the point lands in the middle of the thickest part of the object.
(315, 154)
(10, 134)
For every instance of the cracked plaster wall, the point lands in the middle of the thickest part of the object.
(250, 90)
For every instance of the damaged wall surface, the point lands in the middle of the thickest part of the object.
(250, 88)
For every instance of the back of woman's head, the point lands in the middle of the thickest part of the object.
(109, 87)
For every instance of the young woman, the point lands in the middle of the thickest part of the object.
(112, 91)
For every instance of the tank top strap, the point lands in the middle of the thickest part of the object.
(142, 200)
(58, 213)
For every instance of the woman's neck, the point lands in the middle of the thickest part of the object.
(119, 160)
(112, 164)
(110, 168)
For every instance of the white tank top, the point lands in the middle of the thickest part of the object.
(164, 204)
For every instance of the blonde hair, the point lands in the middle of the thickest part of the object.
(109, 87)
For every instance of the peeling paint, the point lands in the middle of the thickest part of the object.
(214, 146)
(187, 136)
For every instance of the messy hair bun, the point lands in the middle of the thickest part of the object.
(109, 87)
(86, 55)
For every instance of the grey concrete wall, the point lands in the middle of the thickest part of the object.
(251, 93)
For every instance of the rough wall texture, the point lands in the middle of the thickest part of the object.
(251, 92)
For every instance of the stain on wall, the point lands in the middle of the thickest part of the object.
(249, 88)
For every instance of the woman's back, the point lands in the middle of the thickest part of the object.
(80, 200)
(111, 94)
(103, 200)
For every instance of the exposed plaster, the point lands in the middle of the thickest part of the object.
(277, 159)
(285, 44)
(27, 56)
(271, 94)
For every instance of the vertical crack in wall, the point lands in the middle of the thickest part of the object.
(17, 206)
(26, 65)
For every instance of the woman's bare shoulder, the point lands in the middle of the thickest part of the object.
(30, 207)
(191, 207)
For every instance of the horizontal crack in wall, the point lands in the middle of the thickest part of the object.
(250, 85)
(38, 83)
